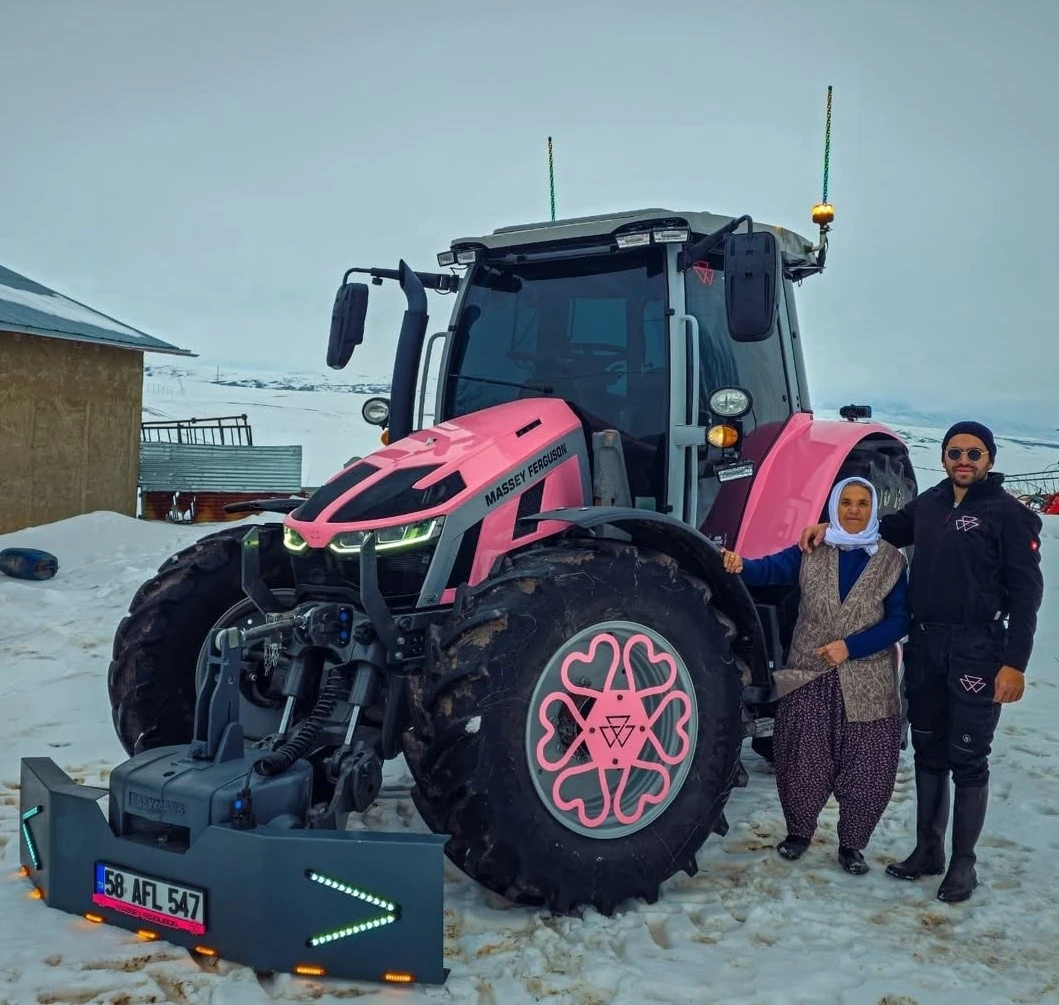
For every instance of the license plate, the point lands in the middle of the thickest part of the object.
(153, 900)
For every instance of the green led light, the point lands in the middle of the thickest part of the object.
(294, 542)
(390, 909)
(344, 933)
(398, 538)
(31, 845)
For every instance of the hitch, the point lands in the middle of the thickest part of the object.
(198, 849)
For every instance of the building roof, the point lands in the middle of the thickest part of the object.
(32, 309)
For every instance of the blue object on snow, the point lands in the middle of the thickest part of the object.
(28, 563)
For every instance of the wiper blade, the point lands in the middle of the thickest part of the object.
(543, 388)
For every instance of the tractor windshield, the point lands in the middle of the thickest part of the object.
(591, 331)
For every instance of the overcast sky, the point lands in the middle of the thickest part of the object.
(206, 170)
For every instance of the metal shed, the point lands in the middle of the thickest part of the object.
(193, 482)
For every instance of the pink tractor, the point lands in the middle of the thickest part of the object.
(525, 597)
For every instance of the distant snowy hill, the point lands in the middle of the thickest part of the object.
(321, 411)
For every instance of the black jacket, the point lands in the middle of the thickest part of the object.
(973, 561)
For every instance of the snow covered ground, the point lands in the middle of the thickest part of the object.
(749, 928)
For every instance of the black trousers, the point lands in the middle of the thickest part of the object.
(950, 672)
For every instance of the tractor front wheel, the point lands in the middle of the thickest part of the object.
(578, 728)
(160, 647)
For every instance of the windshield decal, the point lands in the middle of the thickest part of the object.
(705, 273)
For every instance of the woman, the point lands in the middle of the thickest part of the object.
(838, 725)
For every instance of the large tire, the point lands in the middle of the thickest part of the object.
(475, 749)
(157, 647)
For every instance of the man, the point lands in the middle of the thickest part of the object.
(976, 563)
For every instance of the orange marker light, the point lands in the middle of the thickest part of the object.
(23, 872)
(36, 893)
(395, 978)
(146, 935)
(823, 214)
(722, 436)
(309, 970)
(96, 919)
(205, 951)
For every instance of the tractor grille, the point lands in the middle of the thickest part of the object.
(401, 575)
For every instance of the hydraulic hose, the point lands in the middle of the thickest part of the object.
(304, 735)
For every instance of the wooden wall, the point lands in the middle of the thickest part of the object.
(69, 429)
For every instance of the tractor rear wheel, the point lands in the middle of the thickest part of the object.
(578, 727)
(160, 646)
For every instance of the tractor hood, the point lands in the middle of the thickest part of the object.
(483, 456)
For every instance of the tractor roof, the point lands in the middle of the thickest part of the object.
(799, 253)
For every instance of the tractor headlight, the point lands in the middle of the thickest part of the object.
(376, 411)
(294, 542)
(730, 402)
(399, 538)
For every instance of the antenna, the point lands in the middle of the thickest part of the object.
(823, 212)
(551, 176)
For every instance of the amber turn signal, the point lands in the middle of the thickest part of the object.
(722, 436)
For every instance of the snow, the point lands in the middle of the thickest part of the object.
(749, 928)
(62, 307)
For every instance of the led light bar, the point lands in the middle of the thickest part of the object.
(672, 235)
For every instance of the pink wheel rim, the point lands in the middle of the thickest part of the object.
(611, 729)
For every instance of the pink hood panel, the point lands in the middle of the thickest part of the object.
(481, 447)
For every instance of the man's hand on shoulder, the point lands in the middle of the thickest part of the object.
(812, 537)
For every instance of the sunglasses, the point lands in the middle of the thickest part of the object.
(974, 454)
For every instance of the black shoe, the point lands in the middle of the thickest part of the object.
(852, 861)
(792, 847)
(968, 816)
(932, 817)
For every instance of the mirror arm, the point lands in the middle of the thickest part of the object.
(442, 282)
(690, 255)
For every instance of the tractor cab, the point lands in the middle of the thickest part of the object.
(638, 321)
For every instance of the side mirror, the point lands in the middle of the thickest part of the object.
(347, 323)
(752, 275)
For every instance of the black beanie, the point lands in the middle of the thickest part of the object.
(973, 429)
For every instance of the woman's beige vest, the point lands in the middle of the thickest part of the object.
(869, 685)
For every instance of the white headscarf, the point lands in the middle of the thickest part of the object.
(868, 539)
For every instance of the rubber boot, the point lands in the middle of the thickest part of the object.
(932, 817)
(852, 861)
(968, 817)
(792, 848)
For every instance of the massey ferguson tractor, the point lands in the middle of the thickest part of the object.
(524, 598)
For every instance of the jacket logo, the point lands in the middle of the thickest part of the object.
(972, 684)
(966, 522)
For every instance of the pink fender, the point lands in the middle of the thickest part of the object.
(794, 480)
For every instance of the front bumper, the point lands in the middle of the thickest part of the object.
(359, 905)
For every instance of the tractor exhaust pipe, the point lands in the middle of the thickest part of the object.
(409, 350)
